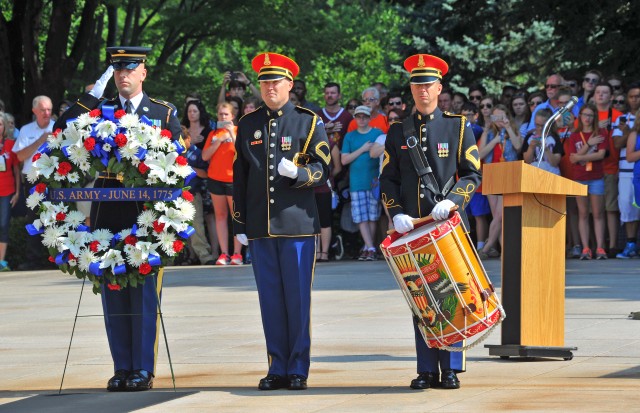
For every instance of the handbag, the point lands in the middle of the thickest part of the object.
(375, 188)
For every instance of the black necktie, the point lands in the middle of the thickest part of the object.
(128, 107)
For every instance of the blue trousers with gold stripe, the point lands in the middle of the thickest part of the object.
(283, 268)
(131, 319)
(433, 360)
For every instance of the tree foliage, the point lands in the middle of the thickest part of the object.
(56, 47)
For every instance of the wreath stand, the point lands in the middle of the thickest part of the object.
(75, 320)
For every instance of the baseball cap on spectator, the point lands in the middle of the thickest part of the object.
(366, 110)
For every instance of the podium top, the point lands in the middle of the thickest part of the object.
(519, 177)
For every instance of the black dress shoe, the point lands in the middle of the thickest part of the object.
(450, 380)
(273, 382)
(425, 381)
(297, 382)
(117, 382)
(139, 380)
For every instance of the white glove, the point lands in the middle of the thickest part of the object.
(242, 239)
(101, 84)
(441, 210)
(402, 223)
(287, 168)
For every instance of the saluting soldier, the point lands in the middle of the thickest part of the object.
(450, 148)
(282, 153)
(131, 314)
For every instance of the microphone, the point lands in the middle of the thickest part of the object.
(570, 104)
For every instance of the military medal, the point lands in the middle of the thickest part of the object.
(285, 143)
(443, 150)
(145, 109)
(257, 134)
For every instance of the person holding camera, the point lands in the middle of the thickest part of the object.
(219, 151)
(236, 84)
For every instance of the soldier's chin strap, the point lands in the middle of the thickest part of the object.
(421, 164)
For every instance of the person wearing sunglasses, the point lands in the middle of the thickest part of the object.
(485, 106)
(450, 147)
(589, 81)
(551, 86)
(629, 214)
(133, 340)
(476, 93)
(619, 101)
(371, 98)
(352, 105)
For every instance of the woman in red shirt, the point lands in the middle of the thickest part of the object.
(219, 151)
(9, 187)
(587, 148)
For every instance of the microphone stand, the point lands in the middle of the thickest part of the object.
(545, 132)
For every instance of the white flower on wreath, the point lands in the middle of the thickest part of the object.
(135, 256)
(78, 154)
(129, 151)
(186, 208)
(173, 218)
(103, 236)
(146, 218)
(85, 259)
(72, 136)
(146, 249)
(54, 141)
(183, 170)
(161, 165)
(50, 238)
(106, 147)
(33, 175)
(46, 165)
(74, 241)
(130, 120)
(84, 120)
(34, 199)
(106, 129)
(75, 218)
(112, 259)
(160, 206)
(166, 240)
(152, 180)
(73, 177)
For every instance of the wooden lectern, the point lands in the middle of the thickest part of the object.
(533, 257)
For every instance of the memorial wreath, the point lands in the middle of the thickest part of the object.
(152, 170)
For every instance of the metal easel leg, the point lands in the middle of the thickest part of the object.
(71, 339)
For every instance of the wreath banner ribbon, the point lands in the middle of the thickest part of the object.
(114, 194)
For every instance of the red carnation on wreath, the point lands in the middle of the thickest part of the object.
(64, 168)
(158, 227)
(51, 259)
(113, 287)
(41, 188)
(60, 216)
(188, 196)
(89, 144)
(36, 157)
(131, 240)
(178, 246)
(94, 246)
(119, 113)
(95, 113)
(145, 268)
(166, 133)
(71, 257)
(120, 140)
(181, 160)
(143, 168)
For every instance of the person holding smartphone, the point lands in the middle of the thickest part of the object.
(219, 151)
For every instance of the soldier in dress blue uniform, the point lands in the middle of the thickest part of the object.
(131, 314)
(282, 153)
(450, 147)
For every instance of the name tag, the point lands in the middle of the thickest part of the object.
(403, 147)
(256, 142)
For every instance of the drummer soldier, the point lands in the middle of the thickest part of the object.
(130, 314)
(450, 148)
(286, 147)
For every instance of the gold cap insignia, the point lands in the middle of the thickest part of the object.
(121, 51)
(421, 61)
(267, 61)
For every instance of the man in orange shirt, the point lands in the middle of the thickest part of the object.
(607, 115)
(371, 98)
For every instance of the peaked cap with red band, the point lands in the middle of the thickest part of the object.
(425, 68)
(274, 66)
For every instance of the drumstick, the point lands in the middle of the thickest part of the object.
(420, 221)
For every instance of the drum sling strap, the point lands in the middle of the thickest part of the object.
(421, 164)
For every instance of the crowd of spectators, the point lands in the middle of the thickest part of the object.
(596, 143)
